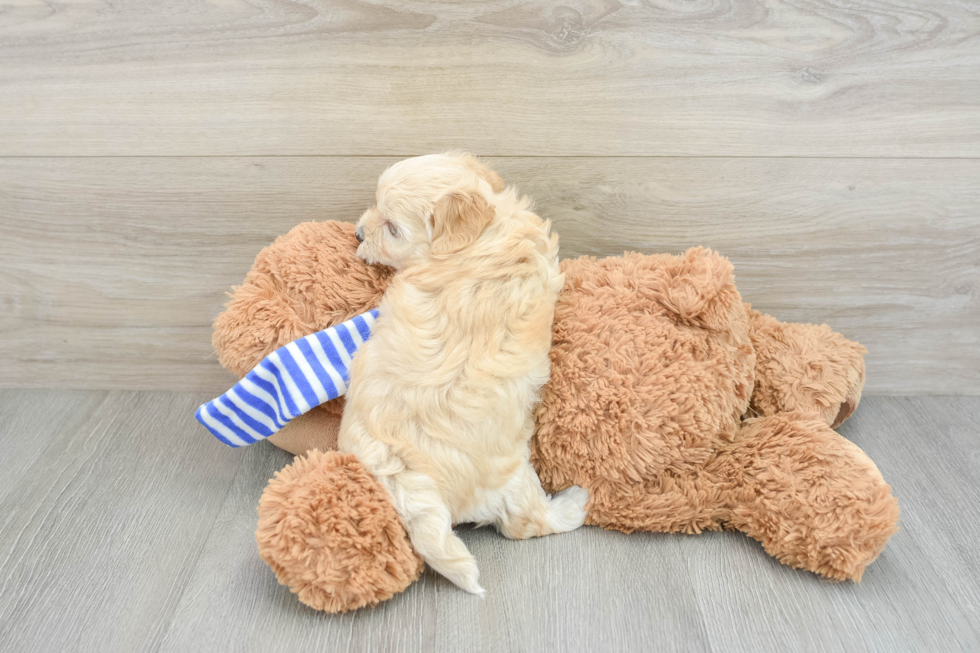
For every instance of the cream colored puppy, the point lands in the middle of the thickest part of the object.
(440, 401)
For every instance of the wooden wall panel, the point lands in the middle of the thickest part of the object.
(111, 269)
(539, 78)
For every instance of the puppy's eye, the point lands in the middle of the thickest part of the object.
(392, 229)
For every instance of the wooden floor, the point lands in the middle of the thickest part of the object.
(124, 526)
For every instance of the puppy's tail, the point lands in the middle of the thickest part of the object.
(429, 525)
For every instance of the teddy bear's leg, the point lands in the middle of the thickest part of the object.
(812, 498)
(804, 368)
(316, 429)
(680, 501)
(331, 534)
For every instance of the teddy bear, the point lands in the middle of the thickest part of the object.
(679, 407)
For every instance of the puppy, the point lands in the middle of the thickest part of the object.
(439, 406)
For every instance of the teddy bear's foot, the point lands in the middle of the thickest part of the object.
(812, 498)
(805, 368)
(329, 531)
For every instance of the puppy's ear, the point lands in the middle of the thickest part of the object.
(458, 220)
(483, 172)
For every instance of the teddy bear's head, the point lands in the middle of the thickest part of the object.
(305, 281)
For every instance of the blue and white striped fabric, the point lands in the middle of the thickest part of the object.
(288, 382)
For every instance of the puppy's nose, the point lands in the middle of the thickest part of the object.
(359, 234)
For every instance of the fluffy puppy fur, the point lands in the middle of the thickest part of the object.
(440, 402)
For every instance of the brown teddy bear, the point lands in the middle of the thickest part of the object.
(675, 404)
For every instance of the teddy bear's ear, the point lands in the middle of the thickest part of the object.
(457, 220)
(699, 289)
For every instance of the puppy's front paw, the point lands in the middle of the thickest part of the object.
(567, 509)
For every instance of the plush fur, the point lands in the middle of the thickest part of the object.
(805, 366)
(329, 531)
(297, 286)
(677, 406)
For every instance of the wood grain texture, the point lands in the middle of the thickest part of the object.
(549, 594)
(928, 449)
(575, 77)
(29, 422)
(106, 519)
(104, 532)
(112, 269)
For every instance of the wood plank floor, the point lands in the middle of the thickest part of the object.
(125, 527)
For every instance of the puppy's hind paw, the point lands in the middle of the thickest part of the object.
(567, 509)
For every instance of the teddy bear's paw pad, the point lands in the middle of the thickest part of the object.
(846, 410)
(331, 534)
(567, 509)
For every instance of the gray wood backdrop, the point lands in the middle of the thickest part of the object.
(149, 150)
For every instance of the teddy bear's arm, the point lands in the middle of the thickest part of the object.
(811, 497)
(805, 368)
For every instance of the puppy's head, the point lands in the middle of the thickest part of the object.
(434, 205)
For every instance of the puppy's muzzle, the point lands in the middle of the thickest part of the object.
(359, 234)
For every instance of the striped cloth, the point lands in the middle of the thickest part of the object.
(288, 382)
